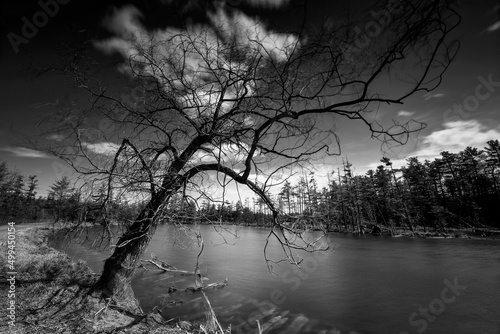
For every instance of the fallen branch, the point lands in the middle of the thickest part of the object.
(163, 263)
(170, 270)
(209, 286)
(216, 284)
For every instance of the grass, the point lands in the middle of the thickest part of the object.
(52, 295)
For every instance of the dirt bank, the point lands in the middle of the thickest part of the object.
(51, 293)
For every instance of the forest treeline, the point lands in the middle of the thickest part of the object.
(64, 202)
(455, 190)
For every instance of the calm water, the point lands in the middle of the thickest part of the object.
(366, 285)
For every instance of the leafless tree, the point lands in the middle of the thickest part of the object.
(235, 99)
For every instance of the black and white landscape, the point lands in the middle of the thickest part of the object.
(250, 166)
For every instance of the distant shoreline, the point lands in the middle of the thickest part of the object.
(452, 233)
(481, 233)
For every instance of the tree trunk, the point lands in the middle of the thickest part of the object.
(120, 266)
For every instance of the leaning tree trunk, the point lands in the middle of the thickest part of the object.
(120, 266)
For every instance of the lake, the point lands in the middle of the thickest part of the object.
(366, 284)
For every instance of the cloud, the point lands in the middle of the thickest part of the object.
(432, 96)
(262, 3)
(271, 4)
(456, 136)
(453, 137)
(131, 36)
(203, 51)
(23, 152)
(405, 113)
(252, 33)
(125, 22)
(104, 148)
(494, 27)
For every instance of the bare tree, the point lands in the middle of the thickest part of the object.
(235, 99)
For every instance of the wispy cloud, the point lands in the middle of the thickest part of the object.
(202, 48)
(494, 27)
(453, 137)
(430, 95)
(456, 136)
(268, 3)
(104, 148)
(23, 152)
(247, 31)
(131, 36)
(405, 113)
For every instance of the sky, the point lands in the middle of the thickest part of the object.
(463, 111)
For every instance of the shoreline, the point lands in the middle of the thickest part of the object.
(51, 294)
(473, 233)
(450, 233)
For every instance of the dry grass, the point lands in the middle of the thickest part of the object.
(52, 296)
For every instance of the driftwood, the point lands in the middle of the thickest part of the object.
(215, 285)
(166, 267)
(170, 270)
(209, 286)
